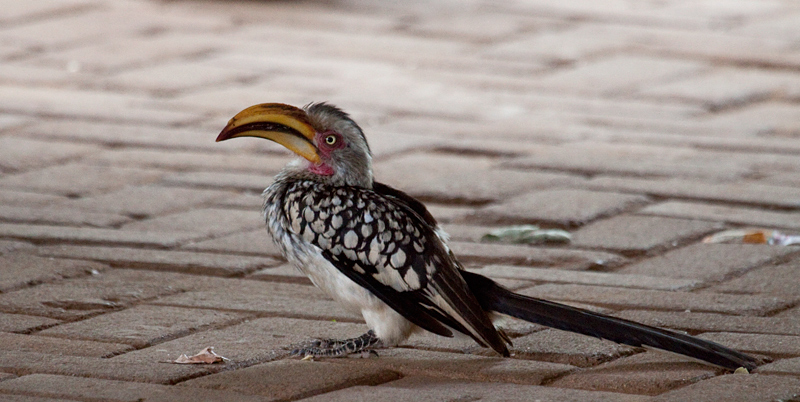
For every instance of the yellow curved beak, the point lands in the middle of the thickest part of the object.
(284, 124)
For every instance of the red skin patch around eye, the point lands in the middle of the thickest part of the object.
(325, 151)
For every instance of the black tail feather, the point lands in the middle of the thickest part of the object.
(494, 297)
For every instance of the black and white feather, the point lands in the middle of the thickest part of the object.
(378, 241)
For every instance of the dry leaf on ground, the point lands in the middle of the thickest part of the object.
(205, 356)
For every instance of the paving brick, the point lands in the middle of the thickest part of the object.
(387, 142)
(23, 363)
(54, 102)
(561, 46)
(781, 27)
(77, 180)
(427, 389)
(735, 388)
(660, 300)
(59, 216)
(254, 242)
(639, 233)
(145, 201)
(293, 379)
(649, 373)
(461, 136)
(494, 253)
(566, 207)
(217, 180)
(445, 213)
(394, 170)
(180, 160)
(712, 138)
(282, 273)
(22, 323)
(769, 344)
(126, 52)
(585, 278)
(225, 101)
(87, 296)
(462, 26)
(333, 19)
(782, 366)
(65, 386)
(204, 222)
(722, 213)
(21, 72)
(8, 246)
(70, 27)
(265, 298)
(765, 118)
(111, 134)
(636, 159)
(709, 262)
(410, 362)
(143, 325)
(487, 185)
(169, 78)
(791, 313)
(567, 348)
(619, 73)
(694, 322)
(163, 260)
(783, 178)
(48, 233)
(48, 345)
(714, 89)
(27, 398)
(752, 193)
(17, 11)
(29, 199)
(459, 344)
(715, 46)
(769, 279)
(20, 154)
(451, 178)
(21, 270)
(242, 201)
(256, 341)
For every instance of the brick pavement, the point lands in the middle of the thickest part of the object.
(128, 237)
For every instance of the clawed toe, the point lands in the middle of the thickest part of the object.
(363, 345)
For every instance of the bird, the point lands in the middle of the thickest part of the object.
(379, 252)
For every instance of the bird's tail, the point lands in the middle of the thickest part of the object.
(494, 297)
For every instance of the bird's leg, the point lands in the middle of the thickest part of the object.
(340, 348)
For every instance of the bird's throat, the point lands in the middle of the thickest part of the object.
(321, 169)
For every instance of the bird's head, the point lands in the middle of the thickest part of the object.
(332, 143)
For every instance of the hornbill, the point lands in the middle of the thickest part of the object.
(379, 251)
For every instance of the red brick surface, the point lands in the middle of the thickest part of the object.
(129, 237)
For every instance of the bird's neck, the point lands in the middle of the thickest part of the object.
(302, 170)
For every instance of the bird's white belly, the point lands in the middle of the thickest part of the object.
(391, 327)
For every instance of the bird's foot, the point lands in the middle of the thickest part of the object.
(364, 345)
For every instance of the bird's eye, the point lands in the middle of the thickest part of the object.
(331, 140)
